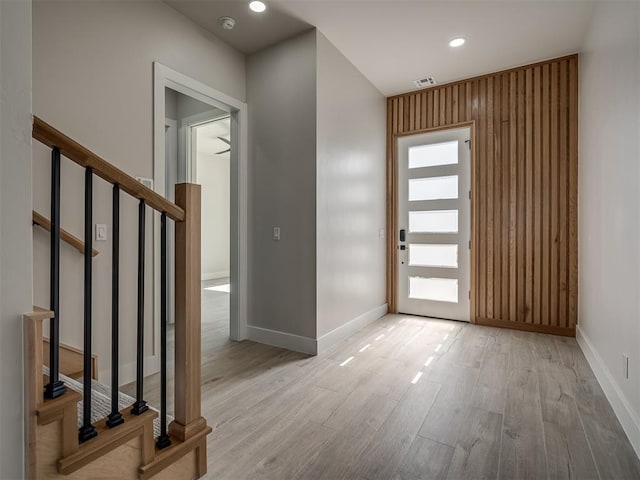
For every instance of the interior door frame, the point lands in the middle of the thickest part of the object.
(392, 214)
(164, 77)
(172, 144)
(186, 142)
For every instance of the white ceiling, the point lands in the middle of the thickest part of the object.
(253, 31)
(393, 42)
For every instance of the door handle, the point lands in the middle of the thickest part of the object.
(402, 235)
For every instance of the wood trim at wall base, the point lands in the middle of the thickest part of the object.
(621, 405)
(347, 329)
(275, 338)
(527, 327)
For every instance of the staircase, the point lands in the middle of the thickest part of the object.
(87, 430)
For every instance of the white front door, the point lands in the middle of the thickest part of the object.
(434, 223)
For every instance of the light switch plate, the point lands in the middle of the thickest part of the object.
(101, 232)
(276, 233)
(147, 182)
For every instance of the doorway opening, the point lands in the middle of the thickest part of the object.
(198, 140)
(209, 156)
(200, 137)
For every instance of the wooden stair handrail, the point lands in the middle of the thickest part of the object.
(48, 135)
(68, 237)
(189, 429)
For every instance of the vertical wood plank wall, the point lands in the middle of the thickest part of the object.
(524, 189)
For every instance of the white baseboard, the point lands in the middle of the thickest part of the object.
(214, 275)
(619, 402)
(127, 371)
(314, 346)
(349, 328)
(282, 339)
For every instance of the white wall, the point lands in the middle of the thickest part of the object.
(281, 95)
(15, 225)
(213, 172)
(93, 67)
(609, 205)
(351, 192)
(317, 134)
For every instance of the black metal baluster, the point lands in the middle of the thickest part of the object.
(55, 387)
(87, 431)
(163, 440)
(140, 405)
(115, 418)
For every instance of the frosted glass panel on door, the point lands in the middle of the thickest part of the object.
(427, 255)
(433, 221)
(433, 188)
(434, 154)
(438, 289)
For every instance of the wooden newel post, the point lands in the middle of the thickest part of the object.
(188, 418)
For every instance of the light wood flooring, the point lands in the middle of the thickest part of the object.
(407, 398)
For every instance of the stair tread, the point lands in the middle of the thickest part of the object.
(40, 313)
(101, 401)
(106, 440)
(51, 406)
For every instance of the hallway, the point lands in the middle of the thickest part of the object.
(410, 398)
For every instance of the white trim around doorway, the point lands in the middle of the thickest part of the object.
(165, 77)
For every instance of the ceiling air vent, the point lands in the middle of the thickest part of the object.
(425, 82)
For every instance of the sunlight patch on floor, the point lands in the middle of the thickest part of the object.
(226, 288)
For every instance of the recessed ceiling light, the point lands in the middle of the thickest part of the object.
(456, 42)
(257, 6)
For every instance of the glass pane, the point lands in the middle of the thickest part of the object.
(433, 255)
(433, 221)
(445, 153)
(438, 289)
(433, 188)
